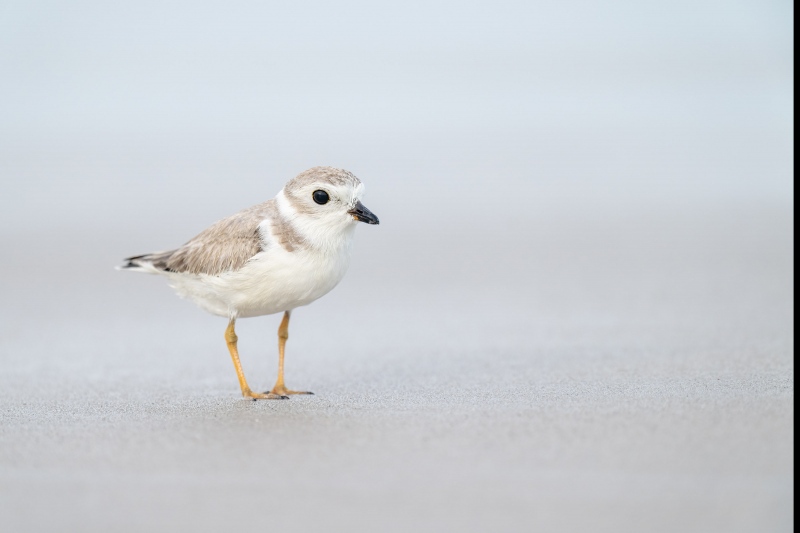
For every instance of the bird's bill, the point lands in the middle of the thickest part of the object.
(362, 214)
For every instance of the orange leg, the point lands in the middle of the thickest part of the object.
(232, 339)
(283, 335)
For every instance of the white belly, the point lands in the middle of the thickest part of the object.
(272, 282)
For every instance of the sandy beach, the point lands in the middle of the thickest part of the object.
(615, 380)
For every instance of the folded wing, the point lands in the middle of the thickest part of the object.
(225, 246)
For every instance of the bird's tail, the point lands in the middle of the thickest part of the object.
(154, 263)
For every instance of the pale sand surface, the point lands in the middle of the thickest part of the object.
(628, 373)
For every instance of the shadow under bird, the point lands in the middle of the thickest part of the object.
(271, 258)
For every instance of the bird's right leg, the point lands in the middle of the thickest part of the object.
(232, 339)
(283, 336)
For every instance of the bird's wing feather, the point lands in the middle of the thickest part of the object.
(224, 246)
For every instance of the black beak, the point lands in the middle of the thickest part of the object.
(363, 214)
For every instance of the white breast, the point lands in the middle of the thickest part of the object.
(275, 280)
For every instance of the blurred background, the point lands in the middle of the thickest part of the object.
(577, 310)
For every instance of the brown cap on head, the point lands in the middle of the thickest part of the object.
(331, 175)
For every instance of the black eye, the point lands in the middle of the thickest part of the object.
(321, 197)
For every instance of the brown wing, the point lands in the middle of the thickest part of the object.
(226, 245)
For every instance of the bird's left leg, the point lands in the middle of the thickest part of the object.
(283, 336)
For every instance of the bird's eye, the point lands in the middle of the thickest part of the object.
(321, 197)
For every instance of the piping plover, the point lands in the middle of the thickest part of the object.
(270, 258)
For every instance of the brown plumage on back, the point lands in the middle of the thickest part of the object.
(225, 245)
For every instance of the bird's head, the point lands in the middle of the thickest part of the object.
(325, 202)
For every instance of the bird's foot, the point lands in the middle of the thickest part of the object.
(283, 391)
(263, 396)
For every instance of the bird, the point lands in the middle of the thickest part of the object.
(271, 258)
